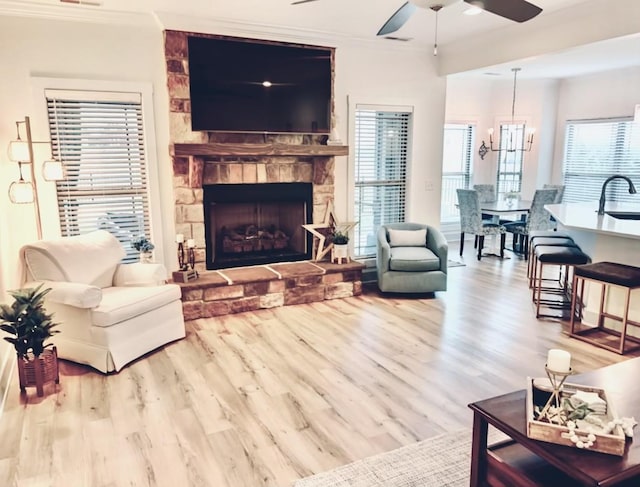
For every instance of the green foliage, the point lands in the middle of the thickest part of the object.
(27, 321)
(142, 244)
(340, 238)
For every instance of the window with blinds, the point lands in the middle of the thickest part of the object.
(457, 157)
(99, 137)
(509, 176)
(595, 150)
(381, 152)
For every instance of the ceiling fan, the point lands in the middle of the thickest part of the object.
(516, 10)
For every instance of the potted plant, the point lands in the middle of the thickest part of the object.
(143, 245)
(340, 247)
(30, 326)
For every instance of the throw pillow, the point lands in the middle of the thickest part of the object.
(408, 238)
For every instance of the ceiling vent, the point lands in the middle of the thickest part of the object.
(91, 3)
(401, 39)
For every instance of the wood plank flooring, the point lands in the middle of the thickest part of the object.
(263, 398)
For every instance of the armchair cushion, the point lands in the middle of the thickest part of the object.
(139, 274)
(118, 306)
(71, 293)
(407, 238)
(413, 259)
(90, 258)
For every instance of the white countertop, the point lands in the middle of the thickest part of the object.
(584, 216)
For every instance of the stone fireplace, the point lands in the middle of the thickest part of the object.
(246, 164)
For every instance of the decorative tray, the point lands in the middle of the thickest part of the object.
(588, 436)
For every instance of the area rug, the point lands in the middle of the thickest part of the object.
(455, 263)
(442, 461)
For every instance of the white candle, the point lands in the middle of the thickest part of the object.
(191, 243)
(559, 360)
(179, 238)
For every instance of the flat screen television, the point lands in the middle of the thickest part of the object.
(245, 86)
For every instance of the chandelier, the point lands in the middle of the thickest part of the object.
(511, 145)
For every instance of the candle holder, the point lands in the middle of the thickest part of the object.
(557, 379)
(187, 270)
(181, 263)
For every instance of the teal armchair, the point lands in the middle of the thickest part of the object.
(411, 258)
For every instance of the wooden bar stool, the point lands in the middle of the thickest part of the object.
(564, 257)
(608, 275)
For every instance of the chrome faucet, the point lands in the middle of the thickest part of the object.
(632, 190)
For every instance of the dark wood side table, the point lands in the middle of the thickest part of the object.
(523, 462)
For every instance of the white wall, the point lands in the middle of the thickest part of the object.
(609, 94)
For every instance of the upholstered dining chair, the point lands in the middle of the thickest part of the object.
(537, 219)
(471, 221)
(559, 194)
(486, 194)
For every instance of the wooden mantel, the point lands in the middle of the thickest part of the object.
(217, 149)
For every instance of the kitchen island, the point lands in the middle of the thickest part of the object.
(603, 238)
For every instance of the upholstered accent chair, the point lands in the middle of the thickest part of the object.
(411, 258)
(109, 313)
(471, 221)
(537, 219)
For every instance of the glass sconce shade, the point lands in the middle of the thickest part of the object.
(19, 151)
(21, 192)
(52, 170)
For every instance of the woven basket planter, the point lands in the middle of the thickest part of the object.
(38, 371)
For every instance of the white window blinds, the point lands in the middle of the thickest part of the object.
(100, 139)
(597, 149)
(381, 152)
(456, 167)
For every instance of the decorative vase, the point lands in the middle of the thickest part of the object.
(38, 371)
(146, 257)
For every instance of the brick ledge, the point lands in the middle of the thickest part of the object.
(236, 290)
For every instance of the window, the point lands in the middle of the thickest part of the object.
(509, 176)
(457, 156)
(381, 153)
(595, 150)
(99, 136)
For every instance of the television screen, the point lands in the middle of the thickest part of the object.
(243, 86)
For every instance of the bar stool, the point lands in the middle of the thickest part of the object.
(608, 275)
(565, 257)
(547, 241)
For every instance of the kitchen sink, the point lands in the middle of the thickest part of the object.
(624, 215)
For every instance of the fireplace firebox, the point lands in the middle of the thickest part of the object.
(251, 224)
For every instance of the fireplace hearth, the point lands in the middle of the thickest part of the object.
(251, 224)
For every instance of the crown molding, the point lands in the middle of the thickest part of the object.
(73, 13)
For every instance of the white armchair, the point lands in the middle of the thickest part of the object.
(109, 313)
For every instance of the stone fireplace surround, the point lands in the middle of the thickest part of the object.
(201, 158)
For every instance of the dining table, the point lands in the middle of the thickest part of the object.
(500, 208)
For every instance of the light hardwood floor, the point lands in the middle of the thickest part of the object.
(264, 398)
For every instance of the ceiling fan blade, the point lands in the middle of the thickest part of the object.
(298, 2)
(398, 19)
(516, 10)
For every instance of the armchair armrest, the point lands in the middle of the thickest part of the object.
(139, 275)
(437, 243)
(384, 251)
(74, 294)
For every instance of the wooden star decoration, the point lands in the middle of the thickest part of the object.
(322, 230)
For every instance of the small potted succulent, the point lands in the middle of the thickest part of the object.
(143, 245)
(340, 245)
(30, 326)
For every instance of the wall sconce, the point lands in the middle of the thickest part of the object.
(21, 151)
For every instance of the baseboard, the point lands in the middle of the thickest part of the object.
(7, 364)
